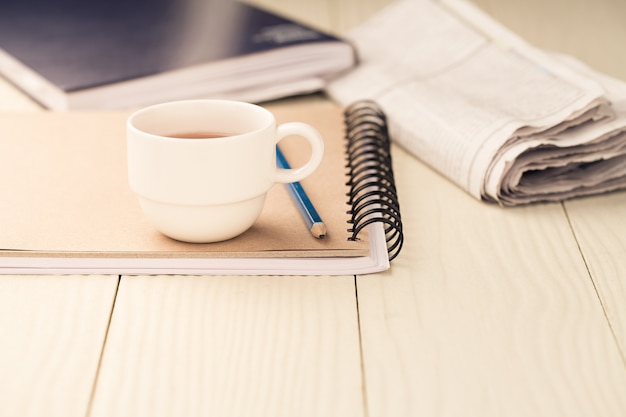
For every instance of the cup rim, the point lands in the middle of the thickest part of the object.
(131, 120)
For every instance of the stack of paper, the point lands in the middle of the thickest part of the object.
(507, 122)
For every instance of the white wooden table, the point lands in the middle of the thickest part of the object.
(487, 311)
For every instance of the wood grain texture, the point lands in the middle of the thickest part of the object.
(330, 15)
(487, 312)
(600, 227)
(12, 99)
(232, 346)
(347, 14)
(316, 13)
(53, 330)
(592, 31)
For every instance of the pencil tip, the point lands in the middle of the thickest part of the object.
(319, 230)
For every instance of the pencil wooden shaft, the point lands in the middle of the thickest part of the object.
(305, 207)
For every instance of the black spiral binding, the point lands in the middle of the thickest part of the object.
(372, 196)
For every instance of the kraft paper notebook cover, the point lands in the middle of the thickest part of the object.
(67, 206)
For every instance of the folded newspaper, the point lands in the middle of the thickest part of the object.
(506, 121)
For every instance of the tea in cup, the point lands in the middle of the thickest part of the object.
(202, 168)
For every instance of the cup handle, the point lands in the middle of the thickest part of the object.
(317, 151)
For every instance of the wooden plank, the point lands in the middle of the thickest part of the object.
(12, 99)
(582, 28)
(488, 311)
(232, 346)
(334, 16)
(315, 13)
(600, 227)
(53, 330)
(347, 14)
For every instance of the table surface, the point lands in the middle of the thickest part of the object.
(488, 311)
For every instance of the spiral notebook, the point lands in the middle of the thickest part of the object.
(68, 209)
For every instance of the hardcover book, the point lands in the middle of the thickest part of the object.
(73, 54)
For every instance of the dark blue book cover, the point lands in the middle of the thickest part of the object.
(77, 45)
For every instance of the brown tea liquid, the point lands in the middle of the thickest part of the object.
(198, 135)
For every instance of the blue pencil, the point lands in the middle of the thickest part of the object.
(305, 207)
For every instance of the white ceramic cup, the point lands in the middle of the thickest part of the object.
(209, 189)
